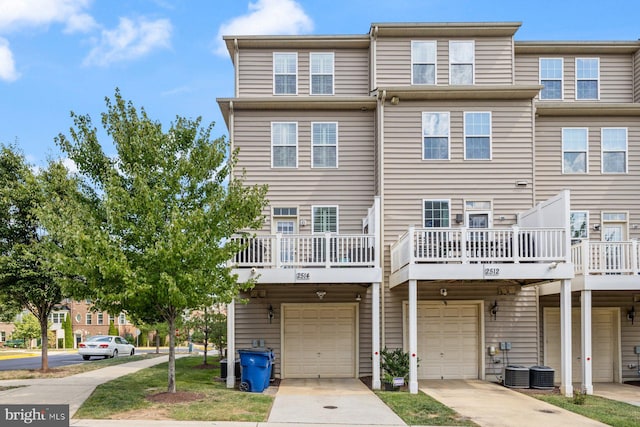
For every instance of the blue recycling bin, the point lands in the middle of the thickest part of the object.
(256, 365)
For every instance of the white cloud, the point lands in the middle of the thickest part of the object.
(266, 17)
(70, 165)
(7, 65)
(15, 14)
(130, 40)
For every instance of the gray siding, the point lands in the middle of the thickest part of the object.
(616, 75)
(351, 72)
(252, 321)
(350, 186)
(636, 77)
(493, 61)
(593, 191)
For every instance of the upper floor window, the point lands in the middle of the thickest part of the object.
(321, 73)
(57, 317)
(579, 221)
(284, 145)
(461, 62)
(100, 319)
(324, 140)
(423, 62)
(285, 73)
(325, 219)
(587, 77)
(614, 150)
(551, 70)
(477, 136)
(435, 136)
(89, 319)
(574, 150)
(435, 213)
(122, 319)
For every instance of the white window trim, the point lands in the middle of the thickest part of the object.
(297, 144)
(464, 131)
(626, 151)
(576, 85)
(625, 223)
(561, 79)
(473, 63)
(587, 221)
(563, 151)
(89, 319)
(333, 74)
(313, 214)
(435, 62)
(122, 316)
(275, 217)
(313, 166)
(273, 62)
(435, 200)
(448, 113)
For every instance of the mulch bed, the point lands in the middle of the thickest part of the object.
(177, 397)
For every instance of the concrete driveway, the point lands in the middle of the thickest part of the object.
(330, 401)
(492, 405)
(620, 392)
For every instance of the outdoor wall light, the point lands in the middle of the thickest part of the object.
(358, 297)
(395, 100)
(443, 292)
(631, 314)
(493, 310)
(596, 227)
(321, 294)
(270, 313)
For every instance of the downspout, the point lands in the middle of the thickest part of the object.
(236, 67)
(373, 58)
(381, 100)
(533, 152)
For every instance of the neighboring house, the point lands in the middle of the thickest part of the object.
(441, 188)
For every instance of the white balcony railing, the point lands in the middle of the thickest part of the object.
(606, 257)
(487, 245)
(317, 250)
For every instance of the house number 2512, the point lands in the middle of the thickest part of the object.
(491, 271)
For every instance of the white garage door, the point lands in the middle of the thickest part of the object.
(319, 341)
(448, 341)
(602, 343)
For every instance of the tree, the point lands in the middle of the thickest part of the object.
(208, 326)
(152, 233)
(112, 329)
(28, 276)
(68, 331)
(28, 328)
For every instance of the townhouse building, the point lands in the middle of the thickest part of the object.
(441, 188)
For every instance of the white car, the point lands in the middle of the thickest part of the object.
(106, 346)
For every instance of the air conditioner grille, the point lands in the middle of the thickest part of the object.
(541, 377)
(516, 376)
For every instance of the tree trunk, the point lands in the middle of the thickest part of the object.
(206, 334)
(171, 386)
(45, 343)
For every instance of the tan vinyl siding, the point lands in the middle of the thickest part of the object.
(252, 321)
(636, 77)
(350, 186)
(616, 71)
(493, 61)
(592, 191)
(351, 72)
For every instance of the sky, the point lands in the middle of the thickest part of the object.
(58, 56)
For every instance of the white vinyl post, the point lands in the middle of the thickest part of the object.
(566, 387)
(231, 345)
(587, 366)
(413, 337)
(375, 332)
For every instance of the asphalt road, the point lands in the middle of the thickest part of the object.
(55, 360)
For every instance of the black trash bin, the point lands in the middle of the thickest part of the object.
(223, 368)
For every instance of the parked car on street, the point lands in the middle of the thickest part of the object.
(106, 346)
(15, 343)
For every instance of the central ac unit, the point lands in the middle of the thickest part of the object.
(516, 376)
(541, 377)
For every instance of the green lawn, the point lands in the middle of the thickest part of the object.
(420, 409)
(607, 411)
(215, 401)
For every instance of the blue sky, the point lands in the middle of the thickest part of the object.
(58, 56)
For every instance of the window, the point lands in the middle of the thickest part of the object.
(435, 213)
(478, 214)
(574, 150)
(100, 319)
(284, 145)
(423, 62)
(89, 320)
(285, 211)
(3, 336)
(587, 76)
(112, 319)
(78, 317)
(324, 139)
(461, 59)
(122, 320)
(551, 78)
(321, 73)
(57, 317)
(325, 219)
(614, 150)
(285, 73)
(579, 225)
(435, 136)
(477, 136)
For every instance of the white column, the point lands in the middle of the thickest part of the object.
(566, 387)
(587, 366)
(375, 332)
(413, 337)
(231, 344)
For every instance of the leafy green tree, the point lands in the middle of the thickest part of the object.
(112, 329)
(208, 326)
(9, 309)
(28, 329)
(68, 331)
(28, 276)
(152, 232)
